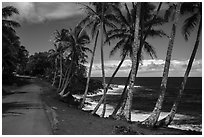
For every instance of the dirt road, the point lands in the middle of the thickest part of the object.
(23, 112)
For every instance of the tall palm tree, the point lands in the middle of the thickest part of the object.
(98, 18)
(8, 26)
(152, 119)
(146, 9)
(78, 39)
(135, 47)
(89, 73)
(126, 36)
(54, 54)
(62, 42)
(189, 24)
(10, 40)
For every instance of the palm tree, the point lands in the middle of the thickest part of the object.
(152, 119)
(126, 35)
(10, 40)
(189, 24)
(54, 54)
(89, 73)
(61, 42)
(78, 39)
(8, 26)
(98, 18)
(145, 19)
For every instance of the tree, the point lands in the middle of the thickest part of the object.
(10, 40)
(22, 57)
(61, 41)
(190, 23)
(78, 39)
(98, 18)
(125, 34)
(38, 64)
(146, 23)
(152, 119)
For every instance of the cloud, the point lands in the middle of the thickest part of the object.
(148, 68)
(35, 12)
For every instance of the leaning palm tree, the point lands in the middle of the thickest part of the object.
(135, 47)
(126, 35)
(152, 119)
(62, 43)
(54, 54)
(189, 24)
(98, 18)
(146, 31)
(78, 39)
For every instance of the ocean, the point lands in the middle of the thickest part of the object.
(146, 92)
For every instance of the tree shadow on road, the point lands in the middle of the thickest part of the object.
(12, 108)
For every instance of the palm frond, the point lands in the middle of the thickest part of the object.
(149, 49)
(10, 23)
(155, 33)
(9, 11)
(189, 24)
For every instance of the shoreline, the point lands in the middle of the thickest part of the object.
(138, 115)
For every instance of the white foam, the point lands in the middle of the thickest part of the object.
(136, 115)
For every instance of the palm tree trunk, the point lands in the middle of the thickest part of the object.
(102, 59)
(65, 77)
(128, 104)
(152, 119)
(106, 89)
(122, 98)
(168, 119)
(67, 80)
(60, 73)
(89, 74)
(55, 72)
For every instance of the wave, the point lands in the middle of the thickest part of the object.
(138, 115)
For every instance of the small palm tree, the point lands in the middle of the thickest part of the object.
(78, 39)
(189, 24)
(61, 44)
(152, 119)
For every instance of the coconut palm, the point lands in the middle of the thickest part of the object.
(135, 47)
(126, 35)
(98, 18)
(62, 43)
(148, 49)
(8, 26)
(10, 40)
(190, 23)
(54, 54)
(78, 39)
(152, 119)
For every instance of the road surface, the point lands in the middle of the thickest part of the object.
(23, 112)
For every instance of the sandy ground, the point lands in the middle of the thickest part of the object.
(72, 121)
(23, 112)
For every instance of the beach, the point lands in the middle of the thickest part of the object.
(188, 117)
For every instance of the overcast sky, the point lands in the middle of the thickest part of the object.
(40, 20)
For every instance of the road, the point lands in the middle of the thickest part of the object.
(23, 112)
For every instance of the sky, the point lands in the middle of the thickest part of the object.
(39, 20)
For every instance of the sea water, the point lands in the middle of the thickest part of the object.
(146, 92)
